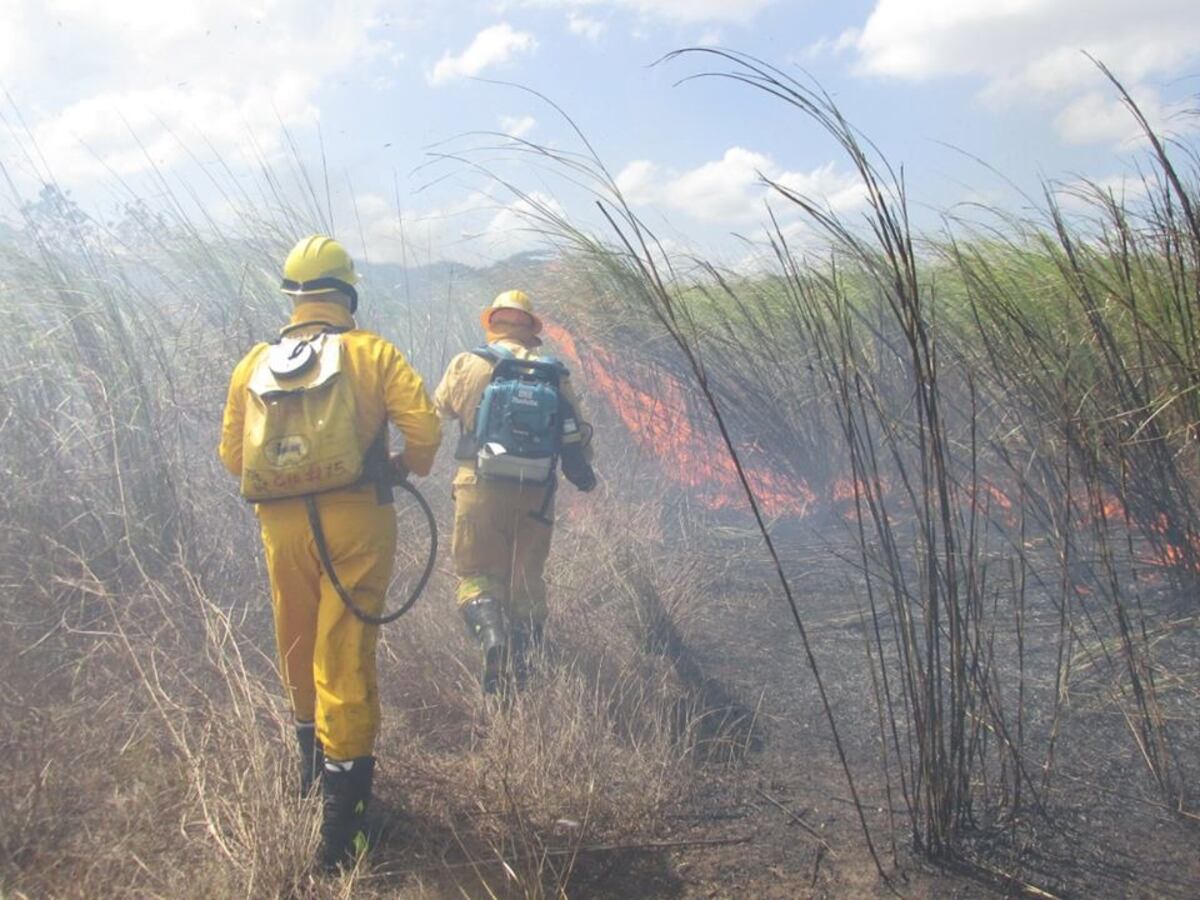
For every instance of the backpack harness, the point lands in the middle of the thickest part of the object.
(521, 424)
(300, 439)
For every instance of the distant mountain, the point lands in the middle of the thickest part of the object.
(435, 283)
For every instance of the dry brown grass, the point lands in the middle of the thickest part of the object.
(149, 752)
(148, 749)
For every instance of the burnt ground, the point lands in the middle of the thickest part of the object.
(777, 819)
(771, 814)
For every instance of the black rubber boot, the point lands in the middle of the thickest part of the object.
(312, 757)
(486, 624)
(346, 793)
(527, 641)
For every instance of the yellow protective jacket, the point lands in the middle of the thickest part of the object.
(466, 378)
(385, 389)
(327, 656)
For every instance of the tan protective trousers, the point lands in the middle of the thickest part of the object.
(326, 654)
(499, 549)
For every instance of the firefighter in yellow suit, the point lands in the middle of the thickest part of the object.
(327, 655)
(502, 529)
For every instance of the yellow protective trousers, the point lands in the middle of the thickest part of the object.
(499, 549)
(326, 654)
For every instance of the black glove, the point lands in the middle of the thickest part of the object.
(577, 469)
(586, 482)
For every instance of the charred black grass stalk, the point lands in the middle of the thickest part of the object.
(947, 666)
(943, 665)
(933, 621)
(1124, 386)
(933, 395)
(637, 241)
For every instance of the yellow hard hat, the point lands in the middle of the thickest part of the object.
(318, 265)
(511, 300)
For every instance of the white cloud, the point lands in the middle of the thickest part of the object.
(515, 227)
(1098, 117)
(840, 191)
(639, 181)
(517, 126)
(723, 190)
(127, 132)
(1033, 51)
(14, 44)
(679, 11)
(208, 73)
(491, 47)
(827, 46)
(1021, 45)
(730, 190)
(584, 27)
(700, 10)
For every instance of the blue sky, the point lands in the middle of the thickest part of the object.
(1003, 80)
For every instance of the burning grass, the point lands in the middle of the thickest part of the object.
(990, 438)
(973, 397)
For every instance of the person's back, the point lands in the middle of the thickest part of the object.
(385, 387)
(503, 525)
(326, 651)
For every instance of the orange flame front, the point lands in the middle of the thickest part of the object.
(695, 458)
(659, 422)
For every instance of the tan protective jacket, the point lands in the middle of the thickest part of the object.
(386, 388)
(466, 378)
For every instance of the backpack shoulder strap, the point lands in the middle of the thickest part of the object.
(563, 371)
(493, 353)
(327, 327)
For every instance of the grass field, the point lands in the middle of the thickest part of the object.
(964, 660)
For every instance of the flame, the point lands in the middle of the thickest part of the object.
(998, 496)
(659, 422)
(848, 489)
(1169, 555)
(1113, 508)
(1186, 555)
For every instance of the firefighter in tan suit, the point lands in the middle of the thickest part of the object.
(502, 528)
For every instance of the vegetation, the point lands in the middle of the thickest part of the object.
(991, 430)
(148, 747)
(1015, 407)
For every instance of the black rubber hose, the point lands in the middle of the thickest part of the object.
(314, 520)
